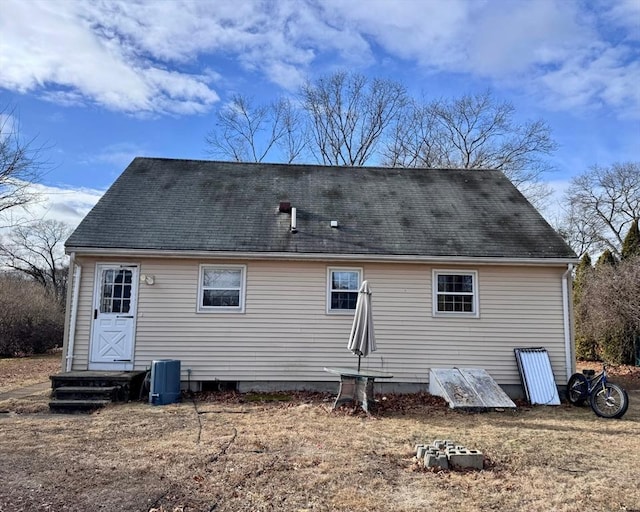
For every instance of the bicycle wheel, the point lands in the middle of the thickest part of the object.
(577, 389)
(609, 402)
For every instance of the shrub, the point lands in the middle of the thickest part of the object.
(31, 321)
(609, 310)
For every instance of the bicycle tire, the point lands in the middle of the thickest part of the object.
(577, 389)
(609, 402)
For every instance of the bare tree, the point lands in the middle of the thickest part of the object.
(349, 115)
(20, 163)
(246, 132)
(609, 310)
(602, 204)
(353, 120)
(413, 141)
(36, 250)
(474, 132)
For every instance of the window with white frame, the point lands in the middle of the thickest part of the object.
(222, 288)
(342, 291)
(455, 293)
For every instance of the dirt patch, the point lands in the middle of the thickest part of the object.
(18, 372)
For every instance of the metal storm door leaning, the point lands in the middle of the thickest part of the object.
(114, 316)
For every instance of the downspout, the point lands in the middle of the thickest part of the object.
(567, 307)
(72, 307)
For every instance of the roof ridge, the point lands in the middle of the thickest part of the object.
(308, 165)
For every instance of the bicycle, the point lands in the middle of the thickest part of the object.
(608, 400)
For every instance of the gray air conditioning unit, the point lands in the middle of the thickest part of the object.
(165, 382)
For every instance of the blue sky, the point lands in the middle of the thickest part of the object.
(99, 83)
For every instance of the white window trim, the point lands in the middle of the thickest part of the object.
(455, 314)
(360, 272)
(222, 309)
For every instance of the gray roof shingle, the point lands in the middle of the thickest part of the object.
(163, 204)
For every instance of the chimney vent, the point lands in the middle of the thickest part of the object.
(285, 207)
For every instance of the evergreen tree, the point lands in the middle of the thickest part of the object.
(583, 270)
(607, 258)
(586, 345)
(631, 244)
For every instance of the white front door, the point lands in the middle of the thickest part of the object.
(114, 317)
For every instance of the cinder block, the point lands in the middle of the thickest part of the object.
(418, 446)
(467, 459)
(443, 461)
(431, 460)
(420, 451)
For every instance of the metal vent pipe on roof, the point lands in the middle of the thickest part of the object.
(294, 222)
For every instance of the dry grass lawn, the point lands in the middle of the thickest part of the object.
(227, 453)
(23, 371)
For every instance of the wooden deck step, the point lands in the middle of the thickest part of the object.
(80, 391)
(77, 405)
(86, 393)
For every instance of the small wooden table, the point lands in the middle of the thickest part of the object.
(357, 386)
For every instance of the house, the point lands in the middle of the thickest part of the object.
(248, 273)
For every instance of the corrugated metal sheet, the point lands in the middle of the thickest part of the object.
(537, 376)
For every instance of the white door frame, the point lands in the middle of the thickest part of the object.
(127, 362)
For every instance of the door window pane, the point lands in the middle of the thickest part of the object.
(116, 286)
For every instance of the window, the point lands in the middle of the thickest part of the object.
(116, 291)
(455, 293)
(343, 287)
(221, 288)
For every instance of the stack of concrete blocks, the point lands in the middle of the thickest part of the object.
(445, 454)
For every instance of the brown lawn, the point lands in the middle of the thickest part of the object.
(23, 371)
(228, 452)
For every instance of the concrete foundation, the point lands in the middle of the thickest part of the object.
(514, 391)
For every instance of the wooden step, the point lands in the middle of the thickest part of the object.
(86, 393)
(128, 383)
(77, 405)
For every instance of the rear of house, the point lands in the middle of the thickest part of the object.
(198, 261)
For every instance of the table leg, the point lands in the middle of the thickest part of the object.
(347, 391)
(365, 393)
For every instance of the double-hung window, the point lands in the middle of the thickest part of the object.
(222, 288)
(455, 293)
(342, 289)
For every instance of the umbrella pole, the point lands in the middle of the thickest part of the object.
(359, 356)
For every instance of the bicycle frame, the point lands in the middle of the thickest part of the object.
(596, 380)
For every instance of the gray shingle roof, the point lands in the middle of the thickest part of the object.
(164, 204)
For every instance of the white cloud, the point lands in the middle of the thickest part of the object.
(145, 57)
(625, 14)
(66, 204)
(50, 47)
(119, 155)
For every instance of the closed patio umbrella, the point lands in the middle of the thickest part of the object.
(362, 339)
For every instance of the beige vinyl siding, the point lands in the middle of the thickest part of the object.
(286, 334)
(84, 314)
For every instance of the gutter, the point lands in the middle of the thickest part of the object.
(375, 258)
(567, 309)
(72, 307)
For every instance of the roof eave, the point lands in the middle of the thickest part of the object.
(368, 258)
